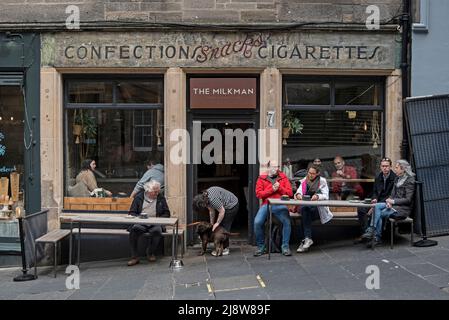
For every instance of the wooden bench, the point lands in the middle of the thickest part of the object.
(340, 214)
(101, 204)
(167, 235)
(54, 237)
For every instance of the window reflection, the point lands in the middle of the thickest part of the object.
(119, 141)
(11, 141)
(90, 92)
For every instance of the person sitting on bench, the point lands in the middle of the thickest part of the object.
(398, 205)
(274, 184)
(383, 185)
(151, 203)
(315, 187)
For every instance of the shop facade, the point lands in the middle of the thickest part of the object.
(19, 134)
(134, 92)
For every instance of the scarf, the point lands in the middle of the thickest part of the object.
(401, 180)
(312, 186)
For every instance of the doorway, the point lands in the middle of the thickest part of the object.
(236, 177)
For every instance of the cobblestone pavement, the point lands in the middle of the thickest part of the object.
(334, 271)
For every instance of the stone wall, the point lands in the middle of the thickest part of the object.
(196, 11)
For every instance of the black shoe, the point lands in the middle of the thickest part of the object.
(375, 243)
(359, 240)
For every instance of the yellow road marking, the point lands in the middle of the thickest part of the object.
(209, 288)
(262, 284)
(235, 289)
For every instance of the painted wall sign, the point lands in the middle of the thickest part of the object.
(156, 49)
(223, 93)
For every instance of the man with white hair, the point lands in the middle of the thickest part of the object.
(150, 203)
(398, 205)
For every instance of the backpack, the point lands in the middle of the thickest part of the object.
(276, 235)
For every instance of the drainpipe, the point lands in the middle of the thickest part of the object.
(405, 21)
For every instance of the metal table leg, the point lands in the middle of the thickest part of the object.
(56, 255)
(173, 243)
(35, 261)
(71, 243)
(79, 243)
(269, 233)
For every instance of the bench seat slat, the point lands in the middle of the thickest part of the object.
(54, 236)
(116, 231)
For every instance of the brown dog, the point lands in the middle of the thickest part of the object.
(220, 237)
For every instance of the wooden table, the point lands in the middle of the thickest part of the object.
(128, 220)
(323, 203)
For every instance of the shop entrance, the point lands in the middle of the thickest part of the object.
(238, 178)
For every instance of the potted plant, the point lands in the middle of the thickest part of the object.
(290, 124)
(84, 128)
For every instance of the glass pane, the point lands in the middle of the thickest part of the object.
(11, 138)
(354, 135)
(416, 14)
(307, 93)
(139, 91)
(116, 143)
(90, 92)
(357, 94)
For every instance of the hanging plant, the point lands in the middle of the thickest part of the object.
(84, 128)
(290, 124)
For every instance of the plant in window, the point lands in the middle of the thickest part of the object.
(84, 128)
(290, 124)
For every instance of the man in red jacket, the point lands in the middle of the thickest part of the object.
(343, 189)
(273, 184)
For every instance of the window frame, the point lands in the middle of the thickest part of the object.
(114, 79)
(424, 11)
(332, 81)
(381, 81)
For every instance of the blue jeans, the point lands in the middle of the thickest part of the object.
(380, 212)
(281, 212)
(308, 214)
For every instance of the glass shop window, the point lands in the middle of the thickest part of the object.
(347, 127)
(12, 146)
(119, 124)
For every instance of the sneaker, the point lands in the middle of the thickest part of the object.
(286, 252)
(260, 251)
(307, 243)
(151, 258)
(301, 247)
(133, 262)
(368, 234)
(377, 242)
(225, 252)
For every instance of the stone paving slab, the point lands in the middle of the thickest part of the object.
(246, 294)
(331, 271)
(236, 282)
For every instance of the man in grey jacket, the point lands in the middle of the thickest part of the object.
(155, 171)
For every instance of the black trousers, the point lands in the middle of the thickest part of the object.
(154, 236)
(227, 221)
(362, 215)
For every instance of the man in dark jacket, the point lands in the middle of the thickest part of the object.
(150, 203)
(398, 205)
(383, 185)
